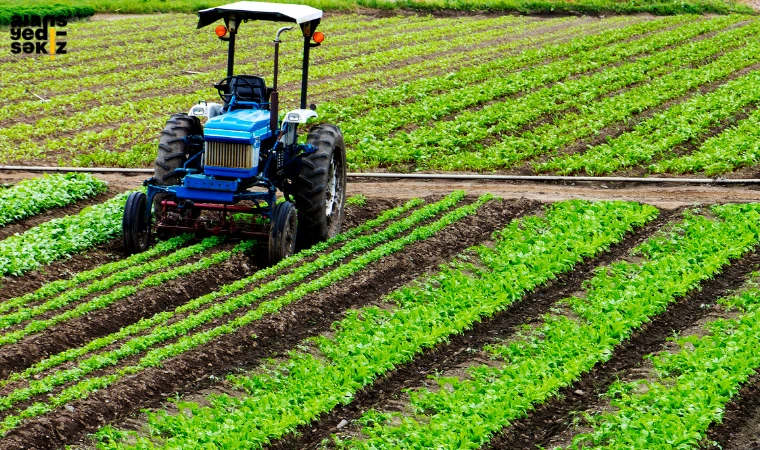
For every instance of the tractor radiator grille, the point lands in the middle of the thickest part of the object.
(224, 154)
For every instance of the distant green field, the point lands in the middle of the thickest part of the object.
(660, 7)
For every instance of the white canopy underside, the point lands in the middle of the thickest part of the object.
(278, 12)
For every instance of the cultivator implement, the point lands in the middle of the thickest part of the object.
(205, 219)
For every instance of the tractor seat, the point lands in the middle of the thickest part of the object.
(255, 92)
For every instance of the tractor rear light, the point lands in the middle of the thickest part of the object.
(318, 37)
(221, 30)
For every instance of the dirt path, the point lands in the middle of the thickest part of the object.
(660, 195)
(663, 196)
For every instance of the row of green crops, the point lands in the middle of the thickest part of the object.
(157, 278)
(664, 132)
(61, 237)
(372, 341)
(186, 331)
(449, 142)
(584, 54)
(15, 10)
(691, 388)
(595, 115)
(616, 302)
(737, 147)
(35, 195)
(148, 323)
(56, 287)
(410, 93)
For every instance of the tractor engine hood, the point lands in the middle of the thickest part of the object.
(240, 125)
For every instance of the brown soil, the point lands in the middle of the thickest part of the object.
(555, 416)
(740, 429)
(310, 316)
(145, 303)
(458, 350)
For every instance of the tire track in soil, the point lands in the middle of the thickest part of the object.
(448, 356)
(309, 316)
(146, 303)
(556, 415)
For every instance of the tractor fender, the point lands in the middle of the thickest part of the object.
(299, 116)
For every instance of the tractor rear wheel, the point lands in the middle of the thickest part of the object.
(282, 234)
(135, 224)
(173, 152)
(320, 187)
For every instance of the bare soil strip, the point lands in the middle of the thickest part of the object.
(312, 315)
(458, 350)
(555, 416)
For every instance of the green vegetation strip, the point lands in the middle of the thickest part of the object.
(348, 110)
(58, 286)
(15, 8)
(736, 147)
(453, 137)
(134, 272)
(163, 317)
(692, 387)
(676, 126)
(122, 292)
(372, 341)
(593, 7)
(465, 413)
(62, 237)
(32, 196)
(654, 80)
(186, 341)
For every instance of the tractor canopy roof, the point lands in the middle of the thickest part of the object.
(275, 12)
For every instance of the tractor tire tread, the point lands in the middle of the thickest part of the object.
(310, 185)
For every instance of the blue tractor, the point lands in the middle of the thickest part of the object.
(223, 177)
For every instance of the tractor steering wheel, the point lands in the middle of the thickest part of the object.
(224, 85)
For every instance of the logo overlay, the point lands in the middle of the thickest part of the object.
(38, 35)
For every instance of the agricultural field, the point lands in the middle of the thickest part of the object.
(450, 321)
(626, 95)
(562, 316)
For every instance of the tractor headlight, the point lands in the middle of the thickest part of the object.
(198, 111)
(293, 117)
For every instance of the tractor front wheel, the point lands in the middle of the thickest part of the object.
(282, 234)
(321, 185)
(135, 224)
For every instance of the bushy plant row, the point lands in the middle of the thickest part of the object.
(35, 195)
(182, 332)
(61, 237)
(622, 297)
(163, 317)
(691, 387)
(372, 341)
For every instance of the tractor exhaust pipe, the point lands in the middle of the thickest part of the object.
(274, 99)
